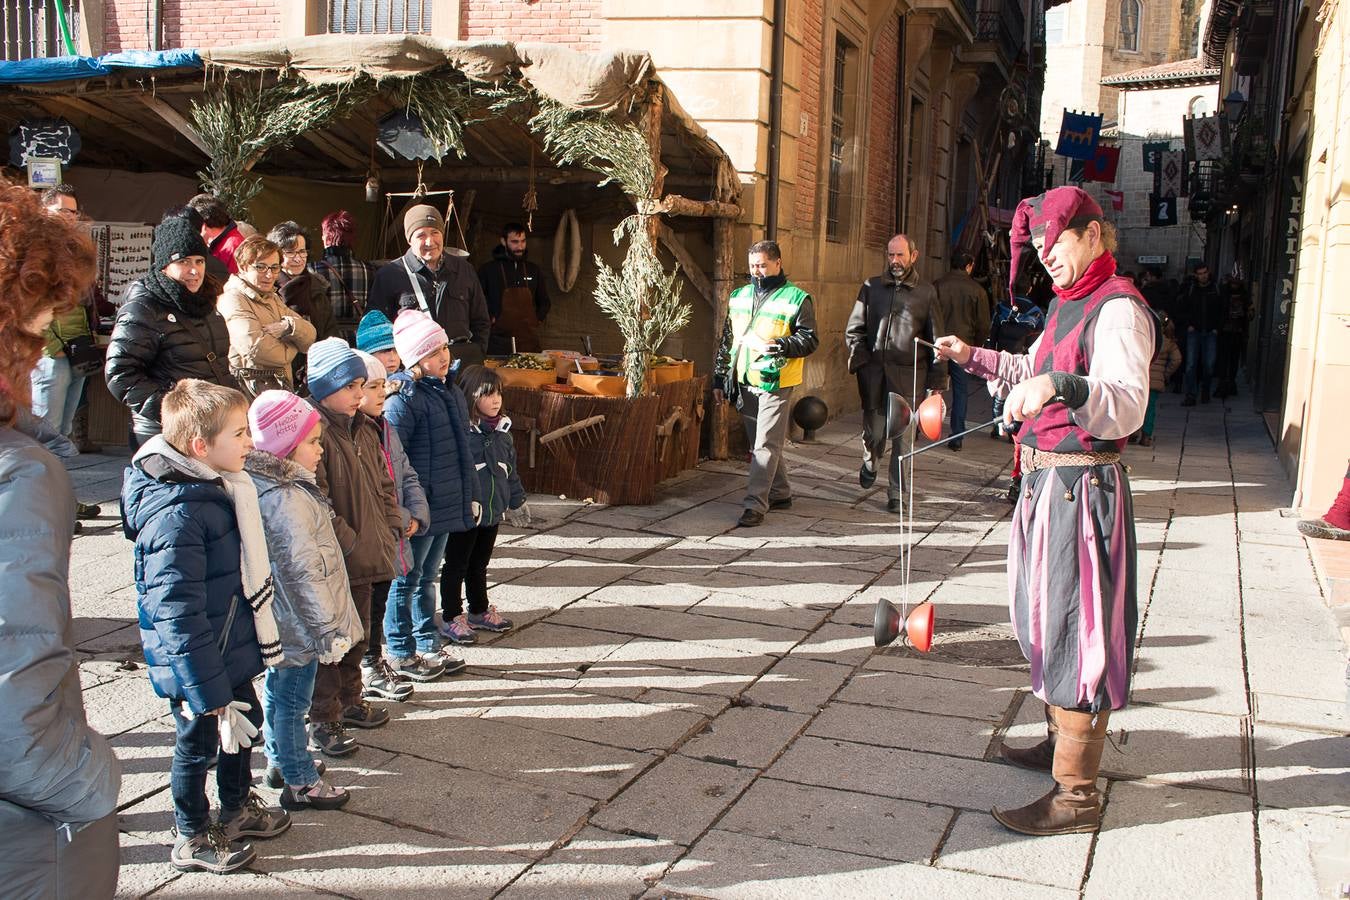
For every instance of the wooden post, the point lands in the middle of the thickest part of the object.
(650, 221)
(724, 270)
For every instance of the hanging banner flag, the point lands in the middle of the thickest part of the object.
(1117, 199)
(1162, 211)
(1153, 151)
(1078, 135)
(1170, 179)
(1205, 139)
(1102, 166)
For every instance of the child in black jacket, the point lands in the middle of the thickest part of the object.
(503, 496)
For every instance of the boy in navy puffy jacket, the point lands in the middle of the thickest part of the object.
(197, 622)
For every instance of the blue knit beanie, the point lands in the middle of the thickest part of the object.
(332, 365)
(374, 333)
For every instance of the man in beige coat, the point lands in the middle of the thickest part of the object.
(265, 334)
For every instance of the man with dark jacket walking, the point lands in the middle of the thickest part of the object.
(891, 310)
(965, 313)
(1200, 312)
(517, 299)
(441, 284)
(769, 332)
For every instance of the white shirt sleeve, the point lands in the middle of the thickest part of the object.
(1120, 347)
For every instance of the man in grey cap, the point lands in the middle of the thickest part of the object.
(439, 283)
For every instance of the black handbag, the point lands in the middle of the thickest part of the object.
(83, 354)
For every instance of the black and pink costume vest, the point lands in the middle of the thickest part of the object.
(1064, 348)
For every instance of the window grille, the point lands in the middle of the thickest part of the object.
(31, 30)
(1131, 12)
(379, 16)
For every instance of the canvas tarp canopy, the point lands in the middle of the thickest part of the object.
(603, 81)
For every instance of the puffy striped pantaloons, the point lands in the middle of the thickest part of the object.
(1072, 584)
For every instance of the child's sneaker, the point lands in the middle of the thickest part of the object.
(256, 820)
(276, 781)
(331, 739)
(458, 630)
(211, 851)
(417, 667)
(363, 715)
(489, 621)
(380, 682)
(319, 795)
(447, 658)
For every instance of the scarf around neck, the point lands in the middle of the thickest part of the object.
(1101, 268)
(176, 294)
(255, 566)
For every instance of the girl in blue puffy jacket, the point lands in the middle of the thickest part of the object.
(432, 420)
(503, 497)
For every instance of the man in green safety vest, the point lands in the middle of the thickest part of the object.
(769, 332)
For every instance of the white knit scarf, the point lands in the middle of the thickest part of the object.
(255, 567)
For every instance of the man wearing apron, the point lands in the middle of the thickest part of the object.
(440, 284)
(517, 300)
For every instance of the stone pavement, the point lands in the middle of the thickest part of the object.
(687, 709)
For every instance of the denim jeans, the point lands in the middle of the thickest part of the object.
(56, 392)
(287, 693)
(1199, 371)
(198, 739)
(960, 391)
(410, 616)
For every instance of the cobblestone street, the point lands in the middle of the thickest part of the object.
(686, 708)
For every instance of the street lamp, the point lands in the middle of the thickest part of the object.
(1233, 105)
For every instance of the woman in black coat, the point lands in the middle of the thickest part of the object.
(167, 329)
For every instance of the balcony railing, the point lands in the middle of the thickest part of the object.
(1002, 22)
(31, 30)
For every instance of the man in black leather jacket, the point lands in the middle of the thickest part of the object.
(891, 310)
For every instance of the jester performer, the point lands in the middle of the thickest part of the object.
(1081, 391)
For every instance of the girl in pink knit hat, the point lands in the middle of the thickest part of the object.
(316, 618)
(432, 420)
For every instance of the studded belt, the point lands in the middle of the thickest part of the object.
(255, 373)
(1033, 459)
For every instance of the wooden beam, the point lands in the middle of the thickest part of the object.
(675, 205)
(338, 151)
(175, 120)
(692, 271)
(49, 101)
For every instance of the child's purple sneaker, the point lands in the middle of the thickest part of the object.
(489, 621)
(458, 630)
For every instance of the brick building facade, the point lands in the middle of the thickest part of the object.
(885, 106)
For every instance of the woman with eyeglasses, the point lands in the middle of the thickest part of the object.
(302, 290)
(265, 334)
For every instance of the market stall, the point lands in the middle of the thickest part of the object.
(630, 203)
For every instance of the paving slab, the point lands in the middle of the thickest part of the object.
(800, 685)
(1200, 841)
(678, 799)
(351, 855)
(1303, 855)
(908, 775)
(744, 867)
(519, 754)
(904, 729)
(1177, 747)
(895, 690)
(596, 864)
(606, 720)
(979, 844)
(850, 822)
(1303, 770)
(479, 809)
(751, 737)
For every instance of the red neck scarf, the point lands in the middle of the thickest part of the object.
(1102, 268)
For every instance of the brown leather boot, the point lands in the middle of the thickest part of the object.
(1073, 805)
(1040, 757)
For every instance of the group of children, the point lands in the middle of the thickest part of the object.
(302, 539)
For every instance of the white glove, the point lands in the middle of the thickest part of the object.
(236, 731)
(335, 653)
(520, 516)
(477, 511)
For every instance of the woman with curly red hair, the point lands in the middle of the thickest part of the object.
(58, 777)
